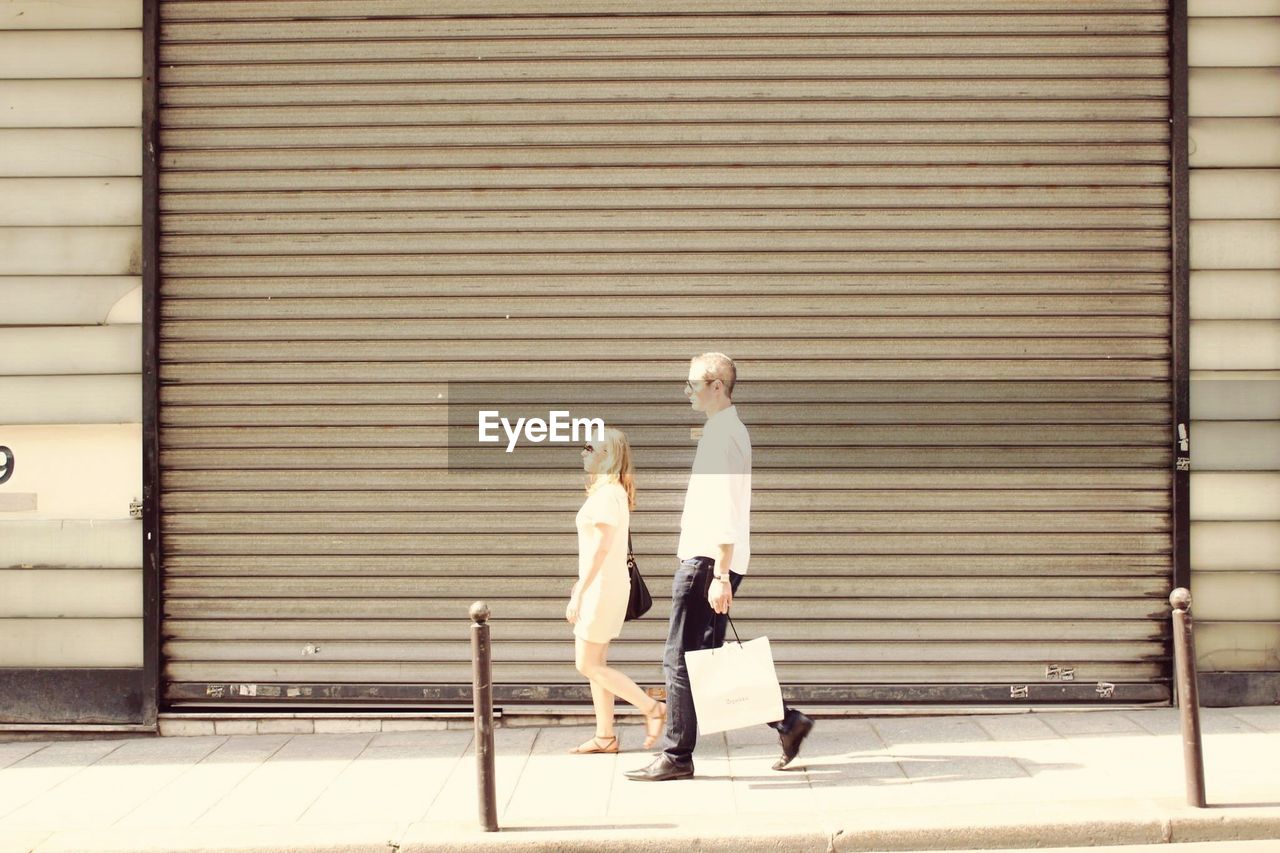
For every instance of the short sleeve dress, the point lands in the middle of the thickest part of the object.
(604, 602)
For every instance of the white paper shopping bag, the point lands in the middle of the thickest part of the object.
(734, 686)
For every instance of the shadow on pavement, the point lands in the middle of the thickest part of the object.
(913, 769)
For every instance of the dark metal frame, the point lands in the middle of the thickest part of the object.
(151, 568)
(1181, 286)
(276, 696)
(222, 695)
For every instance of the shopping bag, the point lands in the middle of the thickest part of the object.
(734, 686)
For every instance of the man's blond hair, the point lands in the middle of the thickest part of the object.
(717, 365)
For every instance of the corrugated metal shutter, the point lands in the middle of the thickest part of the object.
(935, 233)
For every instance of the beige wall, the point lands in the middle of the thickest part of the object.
(1234, 52)
(70, 344)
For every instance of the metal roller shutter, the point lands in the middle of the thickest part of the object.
(935, 234)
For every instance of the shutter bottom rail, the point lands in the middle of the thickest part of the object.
(442, 696)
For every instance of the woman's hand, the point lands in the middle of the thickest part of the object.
(574, 605)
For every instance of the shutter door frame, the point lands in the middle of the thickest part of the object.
(223, 692)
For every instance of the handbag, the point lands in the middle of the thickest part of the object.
(734, 686)
(640, 600)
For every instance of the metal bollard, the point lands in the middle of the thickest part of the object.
(1184, 653)
(482, 702)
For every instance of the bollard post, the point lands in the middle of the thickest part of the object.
(482, 702)
(1184, 653)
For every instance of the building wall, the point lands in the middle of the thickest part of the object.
(1234, 48)
(70, 390)
(70, 341)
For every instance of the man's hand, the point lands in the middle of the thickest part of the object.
(720, 595)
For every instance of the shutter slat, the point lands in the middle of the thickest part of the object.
(780, 155)
(564, 501)
(871, 219)
(640, 198)
(428, 414)
(763, 523)
(651, 629)
(775, 27)
(541, 673)
(676, 242)
(246, 10)
(784, 653)
(537, 543)
(668, 68)
(516, 371)
(789, 609)
(627, 92)
(972, 109)
(868, 317)
(660, 563)
(342, 49)
(1124, 479)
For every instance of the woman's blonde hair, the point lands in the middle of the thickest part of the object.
(617, 464)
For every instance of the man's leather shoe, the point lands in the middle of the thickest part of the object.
(660, 770)
(791, 740)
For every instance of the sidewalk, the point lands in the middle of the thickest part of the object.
(1052, 779)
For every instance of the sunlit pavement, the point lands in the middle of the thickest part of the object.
(1034, 780)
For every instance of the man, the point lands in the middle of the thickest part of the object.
(714, 551)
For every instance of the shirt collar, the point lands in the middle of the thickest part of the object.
(726, 414)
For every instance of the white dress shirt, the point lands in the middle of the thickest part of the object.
(717, 506)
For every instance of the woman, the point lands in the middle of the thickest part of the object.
(598, 604)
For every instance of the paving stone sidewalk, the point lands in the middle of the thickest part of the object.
(1056, 778)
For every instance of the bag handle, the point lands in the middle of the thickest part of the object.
(736, 638)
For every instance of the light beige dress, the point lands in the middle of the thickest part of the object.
(604, 602)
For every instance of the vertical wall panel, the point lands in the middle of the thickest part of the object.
(1235, 286)
(70, 203)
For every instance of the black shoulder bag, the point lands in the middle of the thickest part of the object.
(640, 601)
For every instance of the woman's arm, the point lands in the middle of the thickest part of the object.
(607, 532)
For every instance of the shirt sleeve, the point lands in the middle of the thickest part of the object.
(603, 508)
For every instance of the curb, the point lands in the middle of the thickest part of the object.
(984, 826)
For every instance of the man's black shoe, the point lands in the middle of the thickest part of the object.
(791, 740)
(660, 770)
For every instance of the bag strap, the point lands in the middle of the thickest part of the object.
(736, 638)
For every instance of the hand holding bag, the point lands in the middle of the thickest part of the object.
(640, 601)
(734, 686)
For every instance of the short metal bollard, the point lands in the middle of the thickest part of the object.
(1184, 653)
(482, 702)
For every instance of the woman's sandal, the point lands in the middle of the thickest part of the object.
(597, 745)
(654, 723)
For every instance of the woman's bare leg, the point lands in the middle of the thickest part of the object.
(601, 699)
(592, 661)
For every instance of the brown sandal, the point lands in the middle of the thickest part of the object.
(597, 745)
(655, 724)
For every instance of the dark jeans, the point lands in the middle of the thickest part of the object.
(694, 626)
